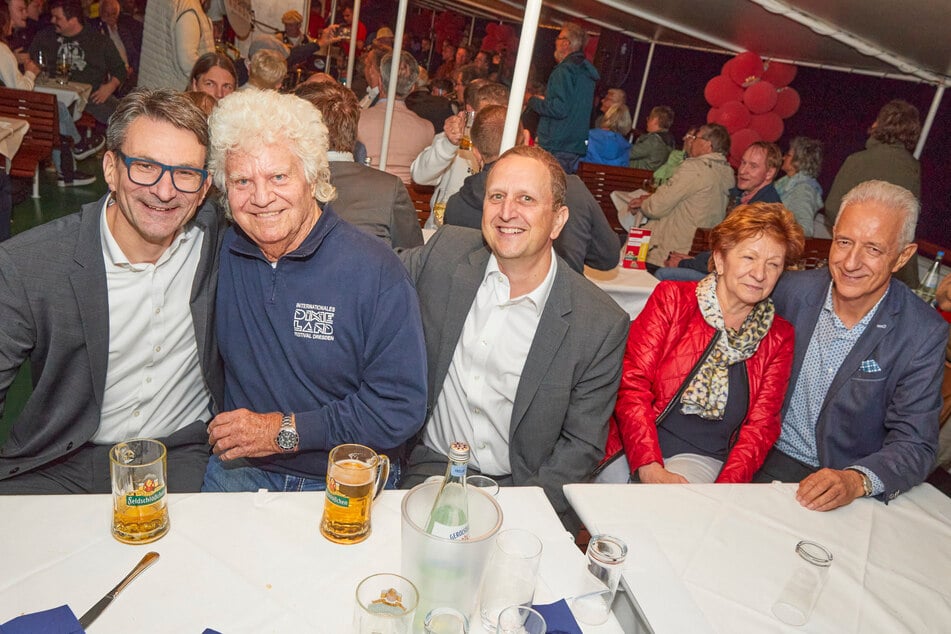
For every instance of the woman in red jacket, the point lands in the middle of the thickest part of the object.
(707, 363)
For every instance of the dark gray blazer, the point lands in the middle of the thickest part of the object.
(375, 202)
(570, 379)
(884, 419)
(54, 310)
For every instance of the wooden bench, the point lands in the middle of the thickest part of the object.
(421, 196)
(815, 252)
(601, 180)
(42, 113)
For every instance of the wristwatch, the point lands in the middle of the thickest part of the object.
(866, 482)
(287, 437)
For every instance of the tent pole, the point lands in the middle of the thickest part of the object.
(394, 77)
(926, 128)
(354, 30)
(471, 30)
(333, 17)
(640, 95)
(520, 76)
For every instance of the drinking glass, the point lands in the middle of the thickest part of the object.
(519, 619)
(445, 621)
(41, 62)
(139, 510)
(355, 476)
(510, 576)
(487, 484)
(606, 554)
(386, 604)
(64, 64)
(801, 592)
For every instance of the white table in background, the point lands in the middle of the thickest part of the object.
(234, 562)
(12, 132)
(630, 288)
(74, 95)
(714, 557)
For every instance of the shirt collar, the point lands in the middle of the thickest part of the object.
(334, 155)
(865, 321)
(538, 297)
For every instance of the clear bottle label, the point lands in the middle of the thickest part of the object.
(455, 533)
(457, 470)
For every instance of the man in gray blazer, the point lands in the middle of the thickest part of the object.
(113, 308)
(373, 201)
(524, 354)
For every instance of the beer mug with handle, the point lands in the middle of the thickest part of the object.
(355, 476)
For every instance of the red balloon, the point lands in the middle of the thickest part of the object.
(734, 116)
(787, 102)
(740, 140)
(760, 97)
(769, 126)
(746, 68)
(780, 74)
(714, 115)
(720, 90)
(725, 69)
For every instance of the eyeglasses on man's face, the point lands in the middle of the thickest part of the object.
(146, 172)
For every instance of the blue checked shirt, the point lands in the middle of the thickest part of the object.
(831, 342)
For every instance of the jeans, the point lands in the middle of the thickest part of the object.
(239, 475)
(67, 128)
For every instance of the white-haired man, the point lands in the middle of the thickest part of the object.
(861, 416)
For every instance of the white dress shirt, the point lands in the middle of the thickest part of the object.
(475, 404)
(154, 384)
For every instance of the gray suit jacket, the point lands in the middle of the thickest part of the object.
(376, 202)
(571, 375)
(54, 309)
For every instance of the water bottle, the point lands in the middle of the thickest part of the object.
(449, 518)
(929, 284)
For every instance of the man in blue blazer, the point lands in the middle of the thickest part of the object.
(524, 354)
(861, 418)
(113, 308)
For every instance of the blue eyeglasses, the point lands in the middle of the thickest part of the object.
(145, 172)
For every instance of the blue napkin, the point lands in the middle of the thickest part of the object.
(59, 620)
(559, 618)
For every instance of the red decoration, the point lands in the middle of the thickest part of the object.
(760, 97)
(739, 141)
(746, 68)
(734, 116)
(780, 74)
(720, 90)
(769, 126)
(714, 115)
(787, 102)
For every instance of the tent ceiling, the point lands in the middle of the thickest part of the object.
(913, 31)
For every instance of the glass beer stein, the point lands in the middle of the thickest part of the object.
(355, 476)
(139, 505)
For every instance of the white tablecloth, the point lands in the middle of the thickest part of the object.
(714, 557)
(73, 92)
(12, 132)
(630, 288)
(238, 562)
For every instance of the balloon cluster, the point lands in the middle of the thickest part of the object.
(751, 99)
(499, 37)
(449, 26)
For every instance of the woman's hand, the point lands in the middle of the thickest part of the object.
(654, 473)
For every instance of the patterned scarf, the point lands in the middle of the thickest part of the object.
(706, 394)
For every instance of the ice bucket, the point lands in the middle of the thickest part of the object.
(447, 573)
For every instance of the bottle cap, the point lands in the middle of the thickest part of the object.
(459, 451)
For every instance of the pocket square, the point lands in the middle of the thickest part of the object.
(870, 365)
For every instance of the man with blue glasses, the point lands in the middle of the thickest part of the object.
(113, 308)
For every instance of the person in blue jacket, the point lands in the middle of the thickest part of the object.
(607, 144)
(318, 323)
(565, 110)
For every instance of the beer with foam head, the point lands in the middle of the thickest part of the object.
(354, 475)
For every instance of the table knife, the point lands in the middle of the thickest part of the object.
(93, 613)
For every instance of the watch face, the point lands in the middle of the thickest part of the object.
(287, 439)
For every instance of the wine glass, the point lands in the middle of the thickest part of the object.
(63, 66)
(41, 62)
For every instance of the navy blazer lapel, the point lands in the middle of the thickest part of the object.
(552, 327)
(92, 295)
(464, 285)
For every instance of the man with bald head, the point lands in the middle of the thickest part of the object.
(861, 414)
(524, 354)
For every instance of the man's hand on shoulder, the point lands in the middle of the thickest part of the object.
(242, 433)
(828, 489)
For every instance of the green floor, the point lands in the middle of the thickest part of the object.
(53, 202)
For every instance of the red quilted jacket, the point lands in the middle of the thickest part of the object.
(665, 342)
